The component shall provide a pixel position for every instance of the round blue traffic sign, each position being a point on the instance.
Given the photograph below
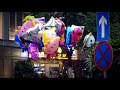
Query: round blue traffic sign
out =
(103, 55)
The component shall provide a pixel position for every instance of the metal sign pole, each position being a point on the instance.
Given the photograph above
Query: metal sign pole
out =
(70, 72)
(105, 74)
(70, 63)
(103, 35)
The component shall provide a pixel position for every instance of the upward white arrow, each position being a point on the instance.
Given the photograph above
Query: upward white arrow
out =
(102, 21)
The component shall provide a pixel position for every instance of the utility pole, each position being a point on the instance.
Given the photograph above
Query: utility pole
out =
(105, 74)
(70, 62)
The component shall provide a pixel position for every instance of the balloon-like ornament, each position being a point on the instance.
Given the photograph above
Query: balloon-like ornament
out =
(88, 41)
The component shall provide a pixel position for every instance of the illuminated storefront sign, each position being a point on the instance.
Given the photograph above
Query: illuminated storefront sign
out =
(74, 55)
(41, 54)
(63, 55)
(25, 54)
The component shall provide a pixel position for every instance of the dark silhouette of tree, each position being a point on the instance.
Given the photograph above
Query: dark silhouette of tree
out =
(24, 69)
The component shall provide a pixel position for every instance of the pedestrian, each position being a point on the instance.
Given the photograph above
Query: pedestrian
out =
(55, 74)
(43, 75)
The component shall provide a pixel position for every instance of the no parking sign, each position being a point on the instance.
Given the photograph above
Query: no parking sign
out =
(103, 55)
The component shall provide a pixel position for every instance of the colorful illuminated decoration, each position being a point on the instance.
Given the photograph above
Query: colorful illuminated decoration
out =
(51, 47)
(36, 33)
(33, 50)
(48, 35)
(88, 41)
(68, 37)
(61, 30)
(77, 33)
(73, 36)
(36, 36)
(19, 43)
(63, 55)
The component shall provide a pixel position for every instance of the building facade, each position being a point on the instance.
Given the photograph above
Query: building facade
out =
(9, 51)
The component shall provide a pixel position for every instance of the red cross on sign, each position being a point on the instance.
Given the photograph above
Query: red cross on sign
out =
(103, 55)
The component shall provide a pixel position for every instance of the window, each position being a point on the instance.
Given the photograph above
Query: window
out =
(15, 21)
(0, 25)
(19, 18)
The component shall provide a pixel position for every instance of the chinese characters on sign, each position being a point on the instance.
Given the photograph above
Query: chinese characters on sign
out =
(64, 55)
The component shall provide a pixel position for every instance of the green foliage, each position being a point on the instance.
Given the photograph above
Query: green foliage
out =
(24, 69)
(47, 15)
(115, 31)
(89, 63)
(90, 21)
(115, 43)
(114, 70)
